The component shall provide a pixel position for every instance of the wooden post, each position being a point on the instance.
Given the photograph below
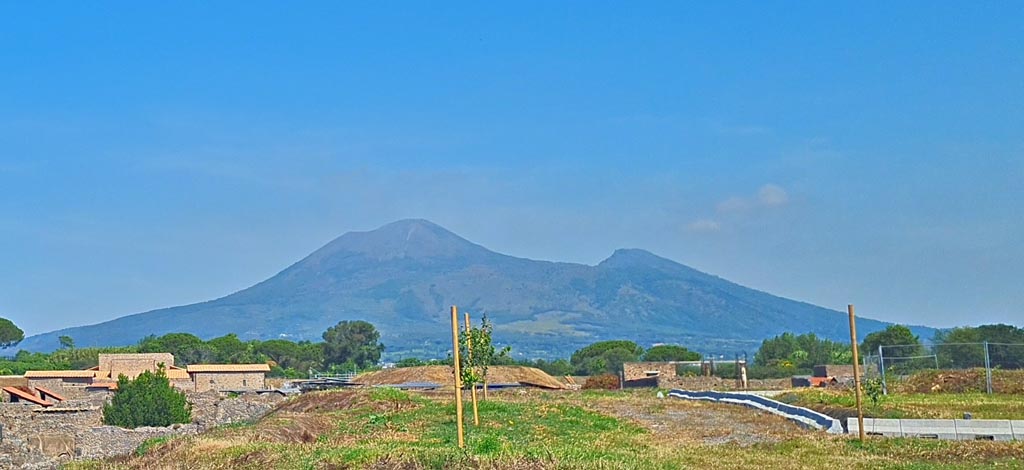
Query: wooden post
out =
(856, 372)
(472, 390)
(458, 375)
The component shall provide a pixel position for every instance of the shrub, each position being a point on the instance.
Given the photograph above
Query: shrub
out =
(149, 400)
(602, 382)
(873, 389)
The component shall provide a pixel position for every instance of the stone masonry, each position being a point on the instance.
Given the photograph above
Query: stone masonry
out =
(205, 381)
(34, 438)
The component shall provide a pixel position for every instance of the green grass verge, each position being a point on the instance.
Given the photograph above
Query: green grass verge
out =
(386, 428)
(915, 406)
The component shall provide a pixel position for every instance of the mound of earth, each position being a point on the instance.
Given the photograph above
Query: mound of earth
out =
(442, 375)
(962, 381)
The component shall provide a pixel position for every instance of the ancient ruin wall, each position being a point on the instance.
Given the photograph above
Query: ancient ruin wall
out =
(228, 381)
(641, 370)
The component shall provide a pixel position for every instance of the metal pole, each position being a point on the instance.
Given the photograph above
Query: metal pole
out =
(856, 372)
(988, 371)
(458, 375)
(881, 367)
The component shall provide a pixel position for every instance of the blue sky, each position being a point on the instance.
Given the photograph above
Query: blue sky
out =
(157, 155)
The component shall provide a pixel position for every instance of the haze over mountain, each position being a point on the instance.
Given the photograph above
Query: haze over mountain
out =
(403, 277)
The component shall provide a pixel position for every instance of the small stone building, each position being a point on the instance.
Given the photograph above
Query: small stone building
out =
(643, 370)
(198, 377)
(131, 365)
(60, 379)
(228, 377)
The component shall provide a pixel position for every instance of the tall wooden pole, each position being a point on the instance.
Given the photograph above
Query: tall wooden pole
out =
(856, 371)
(469, 349)
(458, 375)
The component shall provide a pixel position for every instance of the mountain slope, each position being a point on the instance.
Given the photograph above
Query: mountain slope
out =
(402, 277)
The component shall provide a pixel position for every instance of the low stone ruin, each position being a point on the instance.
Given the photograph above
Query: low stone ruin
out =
(34, 437)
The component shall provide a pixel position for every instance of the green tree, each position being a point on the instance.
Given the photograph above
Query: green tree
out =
(605, 357)
(228, 349)
(475, 363)
(962, 347)
(149, 400)
(10, 334)
(66, 342)
(670, 352)
(896, 341)
(292, 358)
(186, 348)
(354, 342)
(789, 354)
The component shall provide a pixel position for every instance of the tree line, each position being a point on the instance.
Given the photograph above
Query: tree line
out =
(956, 348)
(353, 345)
(346, 346)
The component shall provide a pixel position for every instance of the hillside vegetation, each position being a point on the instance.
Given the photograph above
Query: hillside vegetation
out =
(385, 428)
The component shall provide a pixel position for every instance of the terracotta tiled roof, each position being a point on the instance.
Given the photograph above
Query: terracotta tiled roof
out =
(43, 392)
(228, 368)
(26, 396)
(59, 374)
(177, 374)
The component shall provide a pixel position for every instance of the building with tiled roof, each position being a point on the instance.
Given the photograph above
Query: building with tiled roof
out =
(195, 377)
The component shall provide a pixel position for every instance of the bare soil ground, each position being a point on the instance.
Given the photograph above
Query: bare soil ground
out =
(961, 381)
(675, 420)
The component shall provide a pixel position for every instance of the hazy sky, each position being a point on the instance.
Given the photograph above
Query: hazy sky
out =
(871, 153)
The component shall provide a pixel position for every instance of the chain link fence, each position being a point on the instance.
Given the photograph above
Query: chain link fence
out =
(950, 367)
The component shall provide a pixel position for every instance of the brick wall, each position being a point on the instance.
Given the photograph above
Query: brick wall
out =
(228, 380)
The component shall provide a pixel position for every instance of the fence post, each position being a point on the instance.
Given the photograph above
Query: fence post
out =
(881, 368)
(988, 370)
(856, 372)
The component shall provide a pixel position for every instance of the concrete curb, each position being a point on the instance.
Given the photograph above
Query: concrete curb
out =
(946, 429)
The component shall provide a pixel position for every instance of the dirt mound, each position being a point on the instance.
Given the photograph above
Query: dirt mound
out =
(962, 381)
(443, 375)
(324, 401)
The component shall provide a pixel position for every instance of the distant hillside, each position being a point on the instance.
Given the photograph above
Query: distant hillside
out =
(402, 277)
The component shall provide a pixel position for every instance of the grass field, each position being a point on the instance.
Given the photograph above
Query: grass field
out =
(384, 428)
(914, 405)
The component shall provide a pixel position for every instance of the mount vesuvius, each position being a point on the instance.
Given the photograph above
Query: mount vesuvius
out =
(403, 277)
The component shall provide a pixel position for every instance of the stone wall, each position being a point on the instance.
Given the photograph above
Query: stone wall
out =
(228, 381)
(132, 365)
(720, 384)
(641, 370)
(186, 385)
(69, 387)
(39, 439)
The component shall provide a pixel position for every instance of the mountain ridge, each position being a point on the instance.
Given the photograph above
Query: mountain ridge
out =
(403, 276)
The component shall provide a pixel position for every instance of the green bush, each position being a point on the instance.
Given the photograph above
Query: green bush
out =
(873, 389)
(149, 400)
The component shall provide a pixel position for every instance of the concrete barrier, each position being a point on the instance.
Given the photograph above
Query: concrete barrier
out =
(1017, 427)
(985, 429)
(946, 429)
(929, 428)
(877, 427)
